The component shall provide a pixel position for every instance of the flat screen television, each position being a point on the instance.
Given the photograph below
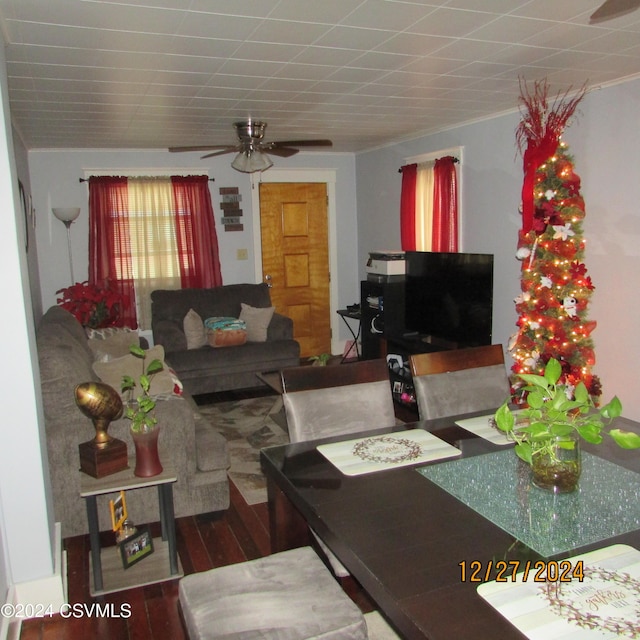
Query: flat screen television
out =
(449, 298)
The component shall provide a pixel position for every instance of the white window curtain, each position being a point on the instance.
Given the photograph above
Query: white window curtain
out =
(154, 251)
(424, 206)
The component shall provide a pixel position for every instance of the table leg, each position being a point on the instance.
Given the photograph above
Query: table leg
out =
(94, 541)
(168, 521)
(287, 528)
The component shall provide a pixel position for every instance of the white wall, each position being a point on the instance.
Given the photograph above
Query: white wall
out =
(55, 179)
(605, 142)
(26, 524)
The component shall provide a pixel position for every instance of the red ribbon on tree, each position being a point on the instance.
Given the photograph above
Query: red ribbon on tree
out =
(540, 129)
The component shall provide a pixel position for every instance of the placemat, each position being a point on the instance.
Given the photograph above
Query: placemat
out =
(498, 486)
(387, 451)
(606, 604)
(481, 427)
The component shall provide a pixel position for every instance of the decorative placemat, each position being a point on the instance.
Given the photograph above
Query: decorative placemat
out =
(498, 486)
(482, 426)
(387, 451)
(605, 604)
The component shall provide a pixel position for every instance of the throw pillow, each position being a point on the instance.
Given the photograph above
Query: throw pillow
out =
(225, 332)
(257, 321)
(106, 332)
(111, 373)
(114, 346)
(194, 330)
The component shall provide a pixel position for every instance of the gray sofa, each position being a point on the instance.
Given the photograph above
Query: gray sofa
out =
(187, 441)
(207, 369)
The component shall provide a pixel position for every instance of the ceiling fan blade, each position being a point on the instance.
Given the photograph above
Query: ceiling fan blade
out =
(304, 143)
(220, 153)
(613, 9)
(283, 152)
(206, 147)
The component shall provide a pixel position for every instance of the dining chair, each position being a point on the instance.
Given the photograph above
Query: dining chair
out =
(286, 595)
(458, 381)
(337, 400)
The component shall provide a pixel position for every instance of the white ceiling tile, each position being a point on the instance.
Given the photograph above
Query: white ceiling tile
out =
(138, 73)
(510, 29)
(455, 23)
(381, 14)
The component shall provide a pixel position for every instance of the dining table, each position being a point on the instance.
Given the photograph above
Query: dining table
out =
(431, 517)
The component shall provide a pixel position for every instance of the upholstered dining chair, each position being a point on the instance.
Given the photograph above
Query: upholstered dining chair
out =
(333, 401)
(286, 595)
(457, 381)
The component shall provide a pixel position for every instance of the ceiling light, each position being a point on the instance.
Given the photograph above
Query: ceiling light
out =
(249, 161)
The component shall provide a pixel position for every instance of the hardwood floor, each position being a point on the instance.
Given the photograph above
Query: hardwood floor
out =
(204, 542)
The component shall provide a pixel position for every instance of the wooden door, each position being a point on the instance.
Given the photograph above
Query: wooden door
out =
(295, 259)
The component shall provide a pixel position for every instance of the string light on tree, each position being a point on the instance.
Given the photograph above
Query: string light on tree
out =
(556, 290)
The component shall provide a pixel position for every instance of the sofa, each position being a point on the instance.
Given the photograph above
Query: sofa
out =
(206, 369)
(187, 441)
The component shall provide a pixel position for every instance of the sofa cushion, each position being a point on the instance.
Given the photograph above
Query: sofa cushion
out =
(114, 346)
(257, 321)
(111, 373)
(194, 330)
(225, 332)
(220, 301)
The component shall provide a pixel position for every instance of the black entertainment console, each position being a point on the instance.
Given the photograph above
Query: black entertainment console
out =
(443, 302)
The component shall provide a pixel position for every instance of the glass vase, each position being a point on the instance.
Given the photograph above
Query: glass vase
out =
(556, 465)
(147, 458)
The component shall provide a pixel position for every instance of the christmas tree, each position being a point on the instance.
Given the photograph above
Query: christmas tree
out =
(555, 288)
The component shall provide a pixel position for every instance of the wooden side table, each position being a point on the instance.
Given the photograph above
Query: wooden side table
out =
(107, 572)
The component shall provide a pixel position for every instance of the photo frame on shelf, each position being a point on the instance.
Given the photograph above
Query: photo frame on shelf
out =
(118, 509)
(136, 547)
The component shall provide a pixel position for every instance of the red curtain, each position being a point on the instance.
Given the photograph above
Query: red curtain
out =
(445, 205)
(408, 207)
(109, 246)
(196, 233)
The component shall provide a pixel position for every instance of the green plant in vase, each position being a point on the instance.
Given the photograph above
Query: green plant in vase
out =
(547, 433)
(320, 360)
(140, 409)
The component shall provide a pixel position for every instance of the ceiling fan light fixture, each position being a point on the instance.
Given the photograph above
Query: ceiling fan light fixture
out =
(249, 161)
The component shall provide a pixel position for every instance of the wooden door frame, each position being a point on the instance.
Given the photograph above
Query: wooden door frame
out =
(328, 177)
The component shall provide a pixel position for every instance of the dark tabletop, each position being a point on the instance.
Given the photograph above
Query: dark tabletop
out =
(403, 537)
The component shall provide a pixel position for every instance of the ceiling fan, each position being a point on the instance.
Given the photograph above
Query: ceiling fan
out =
(251, 149)
(613, 9)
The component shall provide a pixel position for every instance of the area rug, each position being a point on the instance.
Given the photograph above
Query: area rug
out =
(249, 425)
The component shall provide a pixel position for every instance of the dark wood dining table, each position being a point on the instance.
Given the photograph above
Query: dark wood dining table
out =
(402, 537)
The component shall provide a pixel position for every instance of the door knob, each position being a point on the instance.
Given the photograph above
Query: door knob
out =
(268, 279)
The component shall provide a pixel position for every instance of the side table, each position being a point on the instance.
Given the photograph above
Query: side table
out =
(352, 315)
(107, 572)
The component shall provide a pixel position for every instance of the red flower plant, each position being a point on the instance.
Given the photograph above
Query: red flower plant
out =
(93, 306)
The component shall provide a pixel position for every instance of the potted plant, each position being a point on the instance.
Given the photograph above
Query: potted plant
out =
(547, 432)
(93, 306)
(320, 360)
(140, 410)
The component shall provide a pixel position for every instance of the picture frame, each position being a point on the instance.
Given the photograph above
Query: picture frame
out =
(25, 213)
(119, 513)
(136, 547)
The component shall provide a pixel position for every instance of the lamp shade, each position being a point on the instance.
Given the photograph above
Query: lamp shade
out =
(250, 161)
(66, 214)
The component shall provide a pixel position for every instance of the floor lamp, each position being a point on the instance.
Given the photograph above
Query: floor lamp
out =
(67, 215)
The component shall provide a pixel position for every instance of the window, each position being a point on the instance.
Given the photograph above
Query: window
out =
(429, 204)
(151, 233)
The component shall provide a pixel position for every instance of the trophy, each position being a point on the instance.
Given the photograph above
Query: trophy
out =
(105, 454)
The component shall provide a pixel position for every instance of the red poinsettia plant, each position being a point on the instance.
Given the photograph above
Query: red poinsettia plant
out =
(93, 306)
